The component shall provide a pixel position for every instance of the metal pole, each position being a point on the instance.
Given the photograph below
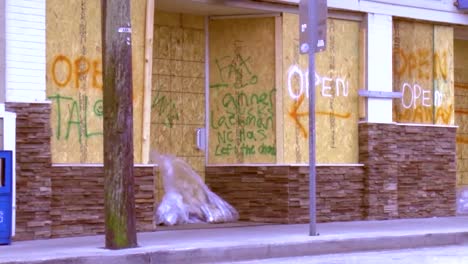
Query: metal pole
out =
(313, 21)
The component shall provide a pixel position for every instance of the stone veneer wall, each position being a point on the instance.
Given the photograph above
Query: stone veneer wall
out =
(409, 171)
(33, 185)
(280, 194)
(59, 201)
(77, 206)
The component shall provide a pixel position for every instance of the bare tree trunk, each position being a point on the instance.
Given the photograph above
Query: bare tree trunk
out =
(119, 200)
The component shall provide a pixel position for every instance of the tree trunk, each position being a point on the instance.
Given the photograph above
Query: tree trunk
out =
(119, 200)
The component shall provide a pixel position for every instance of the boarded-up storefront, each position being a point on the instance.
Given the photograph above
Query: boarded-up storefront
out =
(336, 90)
(246, 124)
(74, 79)
(256, 102)
(423, 72)
(228, 93)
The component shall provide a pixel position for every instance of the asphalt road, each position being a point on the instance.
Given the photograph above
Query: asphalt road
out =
(433, 255)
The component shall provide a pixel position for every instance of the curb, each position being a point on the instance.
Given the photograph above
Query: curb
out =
(253, 251)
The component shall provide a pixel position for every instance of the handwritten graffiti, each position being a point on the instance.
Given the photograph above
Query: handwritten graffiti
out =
(77, 116)
(166, 109)
(235, 71)
(296, 115)
(414, 95)
(462, 140)
(423, 114)
(329, 87)
(419, 103)
(66, 71)
(243, 116)
(440, 65)
(415, 92)
(243, 123)
(418, 64)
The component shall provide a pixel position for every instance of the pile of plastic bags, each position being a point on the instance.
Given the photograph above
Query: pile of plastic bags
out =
(462, 201)
(187, 199)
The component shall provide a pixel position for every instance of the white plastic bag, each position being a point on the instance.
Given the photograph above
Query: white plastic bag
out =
(462, 201)
(187, 199)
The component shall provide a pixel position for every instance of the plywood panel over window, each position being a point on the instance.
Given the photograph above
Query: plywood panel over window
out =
(336, 85)
(242, 91)
(74, 79)
(423, 72)
(461, 108)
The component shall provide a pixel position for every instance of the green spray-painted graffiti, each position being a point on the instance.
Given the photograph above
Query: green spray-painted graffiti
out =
(74, 114)
(166, 109)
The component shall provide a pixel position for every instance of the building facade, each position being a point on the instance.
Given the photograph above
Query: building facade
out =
(224, 87)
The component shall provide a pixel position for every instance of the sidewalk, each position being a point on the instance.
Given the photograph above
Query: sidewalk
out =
(244, 243)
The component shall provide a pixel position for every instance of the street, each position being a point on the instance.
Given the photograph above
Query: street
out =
(433, 255)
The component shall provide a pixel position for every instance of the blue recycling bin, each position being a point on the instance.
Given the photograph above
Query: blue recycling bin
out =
(5, 196)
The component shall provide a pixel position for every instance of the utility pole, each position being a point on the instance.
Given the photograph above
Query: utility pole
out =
(119, 200)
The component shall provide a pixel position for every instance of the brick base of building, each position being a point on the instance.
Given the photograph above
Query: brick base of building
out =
(280, 194)
(407, 171)
(60, 201)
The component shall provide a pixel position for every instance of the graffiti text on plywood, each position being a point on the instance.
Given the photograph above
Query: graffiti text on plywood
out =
(296, 115)
(425, 114)
(414, 95)
(166, 109)
(235, 70)
(72, 72)
(423, 100)
(243, 123)
(420, 104)
(71, 115)
(329, 87)
(417, 64)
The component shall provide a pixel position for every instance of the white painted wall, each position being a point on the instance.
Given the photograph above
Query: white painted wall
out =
(25, 50)
(379, 66)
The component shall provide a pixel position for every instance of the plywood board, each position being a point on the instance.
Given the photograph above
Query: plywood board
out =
(138, 11)
(443, 76)
(337, 82)
(178, 92)
(461, 108)
(279, 92)
(413, 71)
(242, 91)
(461, 61)
(74, 84)
(74, 79)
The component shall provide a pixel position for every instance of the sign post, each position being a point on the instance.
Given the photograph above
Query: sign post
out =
(312, 30)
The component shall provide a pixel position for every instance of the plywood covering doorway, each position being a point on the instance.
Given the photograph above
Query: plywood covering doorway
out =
(242, 92)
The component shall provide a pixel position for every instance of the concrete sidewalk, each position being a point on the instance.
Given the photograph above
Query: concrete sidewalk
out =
(245, 243)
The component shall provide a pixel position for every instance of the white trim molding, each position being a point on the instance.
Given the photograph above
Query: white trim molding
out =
(442, 11)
